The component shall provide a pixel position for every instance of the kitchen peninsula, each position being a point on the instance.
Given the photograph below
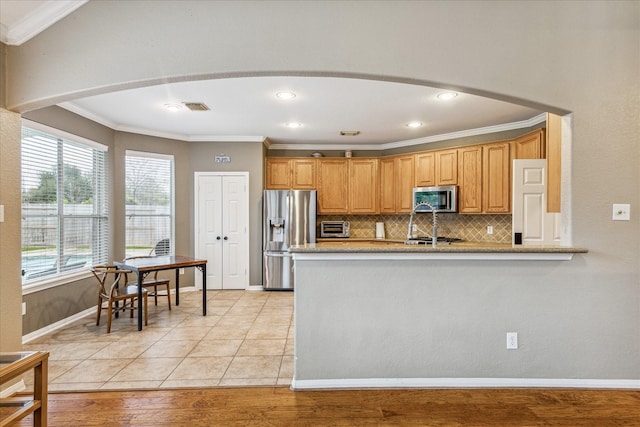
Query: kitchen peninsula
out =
(385, 314)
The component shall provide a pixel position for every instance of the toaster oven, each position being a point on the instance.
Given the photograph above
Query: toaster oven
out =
(334, 229)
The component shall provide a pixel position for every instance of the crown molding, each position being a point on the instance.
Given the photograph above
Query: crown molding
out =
(311, 146)
(38, 20)
(407, 143)
(180, 137)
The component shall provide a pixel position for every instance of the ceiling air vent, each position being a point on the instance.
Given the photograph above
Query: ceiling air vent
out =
(349, 132)
(196, 106)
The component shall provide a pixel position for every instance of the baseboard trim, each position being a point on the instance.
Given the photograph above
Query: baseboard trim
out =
(57, 325)
(68, 320)
(387, 383)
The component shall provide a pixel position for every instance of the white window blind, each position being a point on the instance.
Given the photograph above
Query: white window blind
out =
(65, 218)
(149, 222)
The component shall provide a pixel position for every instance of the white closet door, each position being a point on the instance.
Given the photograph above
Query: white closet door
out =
(235, 225)
(209, 228)
(221, 232)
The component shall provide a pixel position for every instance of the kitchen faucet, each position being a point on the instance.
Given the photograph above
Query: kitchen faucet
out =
(434, 233)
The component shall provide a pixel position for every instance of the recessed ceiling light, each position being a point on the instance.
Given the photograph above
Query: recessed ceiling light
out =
(173, 107)
(414, 124)
(285, 95)
(447, 95)
(293, 125)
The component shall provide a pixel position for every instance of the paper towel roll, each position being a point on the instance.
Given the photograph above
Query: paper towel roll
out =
(379, 230)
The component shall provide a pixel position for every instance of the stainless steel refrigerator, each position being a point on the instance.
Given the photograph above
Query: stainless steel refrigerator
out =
(289, 218)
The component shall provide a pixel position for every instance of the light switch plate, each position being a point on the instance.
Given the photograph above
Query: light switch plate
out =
(621, 212)
(1, 213)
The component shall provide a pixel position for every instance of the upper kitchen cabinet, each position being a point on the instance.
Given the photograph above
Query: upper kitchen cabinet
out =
(387, 185)
(363, 186)
(530, 146)
(303, 174)
(333, 186)
(397, 180)
(446, 167)
(496, 178)
(278, 174)
(286, 173)
(484, 178)
(470, 179)
(404, 180)
(425, 164)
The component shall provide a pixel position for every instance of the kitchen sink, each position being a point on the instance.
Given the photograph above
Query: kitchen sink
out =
(428, 240)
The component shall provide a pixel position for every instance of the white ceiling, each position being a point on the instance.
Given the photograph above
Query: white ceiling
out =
(246, 109)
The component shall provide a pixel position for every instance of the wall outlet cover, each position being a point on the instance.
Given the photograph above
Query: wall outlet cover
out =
(621, 212)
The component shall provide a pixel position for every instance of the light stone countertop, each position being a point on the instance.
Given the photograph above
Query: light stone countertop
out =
(398, 246)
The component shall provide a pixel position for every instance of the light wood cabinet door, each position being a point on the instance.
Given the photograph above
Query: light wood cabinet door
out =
(425, 164)
(470, 179)
(278, 174)
(363, 186)
(496, 184)
(333, 186)
(446, 167)
(387, 186)
(530, 146)
(303, 174)
(404, 181)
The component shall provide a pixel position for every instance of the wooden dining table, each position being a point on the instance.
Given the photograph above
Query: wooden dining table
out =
(143, 266)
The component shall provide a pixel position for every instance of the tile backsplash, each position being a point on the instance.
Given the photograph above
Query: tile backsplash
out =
(471, 228)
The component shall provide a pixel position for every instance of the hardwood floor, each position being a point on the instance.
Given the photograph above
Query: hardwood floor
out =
(279, 406)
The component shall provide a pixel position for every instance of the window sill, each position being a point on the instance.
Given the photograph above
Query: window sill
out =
(40, 285)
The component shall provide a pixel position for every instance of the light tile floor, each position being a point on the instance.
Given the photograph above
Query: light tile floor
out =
(246, 339)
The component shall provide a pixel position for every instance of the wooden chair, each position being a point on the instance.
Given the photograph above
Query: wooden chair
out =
(109, 279)
(152, 281)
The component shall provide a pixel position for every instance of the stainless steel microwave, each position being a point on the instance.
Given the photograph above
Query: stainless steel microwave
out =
(442, 198)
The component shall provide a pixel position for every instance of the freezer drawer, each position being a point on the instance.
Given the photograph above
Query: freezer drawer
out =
(278, 271)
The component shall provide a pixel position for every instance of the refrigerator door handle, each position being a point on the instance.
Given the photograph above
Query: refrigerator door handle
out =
(278, 254)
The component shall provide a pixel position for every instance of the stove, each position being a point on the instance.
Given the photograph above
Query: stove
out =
(427, 240)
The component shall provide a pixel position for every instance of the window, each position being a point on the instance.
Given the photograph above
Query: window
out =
(149, 204)
(65, 218)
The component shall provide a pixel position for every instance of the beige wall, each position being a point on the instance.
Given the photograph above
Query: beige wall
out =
(10, 279)
(559, 56)
(245, 157)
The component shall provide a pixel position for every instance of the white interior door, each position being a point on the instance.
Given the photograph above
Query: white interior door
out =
(221, 229)
(235, 223)
(530, 216)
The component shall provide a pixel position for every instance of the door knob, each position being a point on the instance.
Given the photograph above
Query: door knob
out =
(218, 238)
(226, 238)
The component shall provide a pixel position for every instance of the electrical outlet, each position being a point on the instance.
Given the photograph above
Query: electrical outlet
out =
(621, 212)
(489, 229)
(1, 213)
(512, 340)
(24, 308)
(182, 271)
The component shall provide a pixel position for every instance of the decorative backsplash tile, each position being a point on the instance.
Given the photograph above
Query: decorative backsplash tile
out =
(471, 228)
